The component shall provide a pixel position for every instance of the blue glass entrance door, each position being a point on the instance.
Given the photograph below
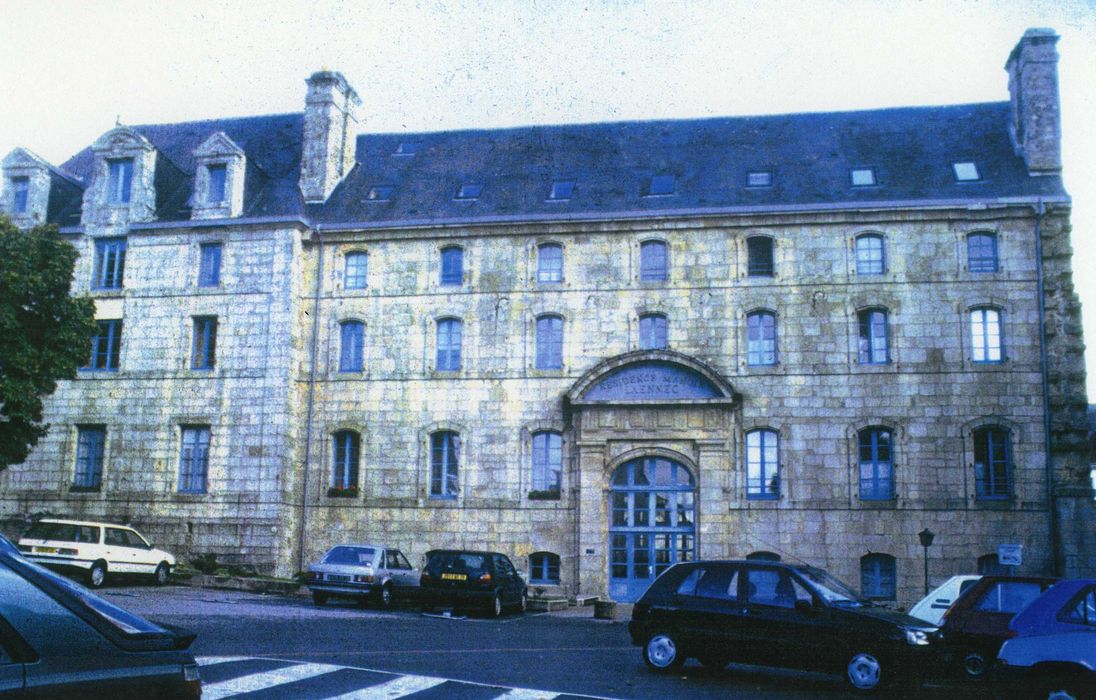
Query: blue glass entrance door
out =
(652, 520)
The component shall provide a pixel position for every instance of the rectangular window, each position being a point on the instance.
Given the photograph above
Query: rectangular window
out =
(762, 464)
(20, 187)
(106, 346)
(992, 464)
(966, 171)
(444, 446)
(876, 470)
(203, 353)
(653, 263)
(759, 178)
(869, 255)
(759, 256)
(110, 263)
(550, 263)
(452, 267)
(352, 346)
(194, 459)
(761, 339)
(661, 185)
(561, 190)
(90, 447)
(872, 348)
(209, 267)
(549, 342)
(878, 577)
(653, 332)
(862, 177)
(216, 192)
(547, 461)
(985, 332)
(544, 568)
(469, 191)
(357, 270)
(982, 252)
(344, 467)
(121, 180)
(449, 341)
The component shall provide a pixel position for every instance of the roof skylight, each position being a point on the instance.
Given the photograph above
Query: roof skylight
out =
(406, 148)
(661, 185)
(966, 171)
(469, 191)
(759, 178)
(379, 193)
(562, 189)
(862, 177)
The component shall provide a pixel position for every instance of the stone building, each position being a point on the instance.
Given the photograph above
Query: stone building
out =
(598, 348)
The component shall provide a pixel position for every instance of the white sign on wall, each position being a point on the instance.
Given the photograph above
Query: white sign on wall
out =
(1010, 554)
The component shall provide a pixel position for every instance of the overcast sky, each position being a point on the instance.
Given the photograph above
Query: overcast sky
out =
(70, 69)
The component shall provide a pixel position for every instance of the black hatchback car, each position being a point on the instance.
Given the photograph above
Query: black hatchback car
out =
(463, 579)
(771, 614)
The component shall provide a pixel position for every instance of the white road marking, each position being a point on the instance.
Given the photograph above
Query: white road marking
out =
(214, 660)
(527, 694)
(397, 688)
(266, 679)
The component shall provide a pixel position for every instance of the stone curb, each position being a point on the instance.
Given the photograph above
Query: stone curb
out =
(238, 583)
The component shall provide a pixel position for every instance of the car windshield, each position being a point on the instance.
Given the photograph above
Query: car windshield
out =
(349, 555)
(830, 588)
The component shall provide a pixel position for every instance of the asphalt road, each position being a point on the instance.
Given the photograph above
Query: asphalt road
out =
(283, 646)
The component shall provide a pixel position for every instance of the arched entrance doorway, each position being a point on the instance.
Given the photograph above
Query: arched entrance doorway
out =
(652, 523)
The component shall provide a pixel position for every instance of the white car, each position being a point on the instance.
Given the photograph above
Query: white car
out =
(95, 549)
(933, 606)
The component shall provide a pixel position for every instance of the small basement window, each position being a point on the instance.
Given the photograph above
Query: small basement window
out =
(468, 191)
(562, 189)
(966, 171)
(661, 185)
(379, 193)
(759, 178)
(862, 177)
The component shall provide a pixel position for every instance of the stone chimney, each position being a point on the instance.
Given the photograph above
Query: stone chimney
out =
(1035, 123)
(330, 131)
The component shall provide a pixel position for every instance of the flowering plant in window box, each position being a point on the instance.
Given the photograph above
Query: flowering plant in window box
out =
(545, 495)
(343, 491)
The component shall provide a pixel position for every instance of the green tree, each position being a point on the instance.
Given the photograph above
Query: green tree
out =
(44, 331)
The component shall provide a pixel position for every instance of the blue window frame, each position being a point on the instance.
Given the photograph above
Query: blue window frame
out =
(110, 263)
(653, 332)
(209, 268)
(203, 351)
(876, 464)
(20, 187)
(759, 256)
(90, 447)
(356, 271)
(873, 347)
(992, 463)
(452, 266)
(544, 568)
(449, 341)
(351, 346)
(345, 453)
(761, 338)
(870, 257)
(444, 467)
(878, 577)
(550, 263)
(547, 461)
(217, 181)
(653, 265)
(106, 346)
(120, 181)
(549, 342)
(194, 459)
(982, 252)
(762, 464)
(986, 345)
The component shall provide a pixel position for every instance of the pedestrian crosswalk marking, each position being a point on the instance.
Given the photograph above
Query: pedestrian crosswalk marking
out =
(266, 679)
(396, 688)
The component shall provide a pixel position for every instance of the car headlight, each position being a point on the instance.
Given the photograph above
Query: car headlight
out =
(917, 638)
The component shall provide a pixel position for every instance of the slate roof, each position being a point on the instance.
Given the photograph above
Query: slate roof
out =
(810, 156)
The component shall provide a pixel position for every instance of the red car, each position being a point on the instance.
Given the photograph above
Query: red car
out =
(976, 624)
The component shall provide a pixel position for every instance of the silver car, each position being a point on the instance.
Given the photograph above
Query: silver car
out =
(364, 572)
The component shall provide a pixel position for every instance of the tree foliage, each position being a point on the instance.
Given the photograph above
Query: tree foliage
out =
(44, 332)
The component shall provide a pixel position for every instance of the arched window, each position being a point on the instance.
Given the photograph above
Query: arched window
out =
(452, 266)
(992, 463)
(986, 344)
(759, 256)
(449, 340)
(873, 331)
(345, 453)
(547, 461)
(990, 565)
(544, 568)
(652, 261)
(869, 254)
(351, 345)
(982, 252)
(550, 263)
(878, 577)
(876, 464)
(357, 267)
(763, 555)
(762, 464)
(549, 342)
(761, 338)
(444, 464)
(653, 329)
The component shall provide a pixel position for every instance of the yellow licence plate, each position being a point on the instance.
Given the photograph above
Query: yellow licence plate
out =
(46, 550)
(454, 577)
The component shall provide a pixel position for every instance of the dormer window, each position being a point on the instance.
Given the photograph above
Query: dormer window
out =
(20, 189)
(121, 180)
(862, 177)
(561, 190)
(469, 191)
(215, 194)
(966, 171)
(661, 185)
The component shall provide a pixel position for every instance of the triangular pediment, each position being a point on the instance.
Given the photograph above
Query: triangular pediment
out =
(218, 145)
(22, 158)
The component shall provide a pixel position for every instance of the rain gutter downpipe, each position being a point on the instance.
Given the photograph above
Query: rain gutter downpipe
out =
(311, 400)
(1040, 212)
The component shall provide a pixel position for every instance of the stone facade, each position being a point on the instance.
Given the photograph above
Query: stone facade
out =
(293, 393)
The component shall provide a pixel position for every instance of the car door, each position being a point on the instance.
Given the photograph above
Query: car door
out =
(117, 552)
(511, 583)
(710, 612)
(144, 561)
(780, 632)
(403, 576)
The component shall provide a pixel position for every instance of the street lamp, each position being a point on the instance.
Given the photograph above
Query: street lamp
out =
(926, 537)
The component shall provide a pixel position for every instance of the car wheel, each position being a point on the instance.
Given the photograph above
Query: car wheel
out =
(864, 672)
(496, 606)
(1062, 689)
(319, 598)
(974, 664)
(97, 575)
(661, 653)
(523, 602)
(163, 572)
(385, 596)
